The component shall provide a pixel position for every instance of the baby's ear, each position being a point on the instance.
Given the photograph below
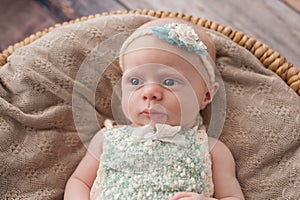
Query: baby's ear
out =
(213, 89)
(209, 95)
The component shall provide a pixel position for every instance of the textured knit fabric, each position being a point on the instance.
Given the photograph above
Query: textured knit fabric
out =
(133, 170)
(40, 146)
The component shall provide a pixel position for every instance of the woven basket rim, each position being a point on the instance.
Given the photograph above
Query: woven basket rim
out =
(271, 59)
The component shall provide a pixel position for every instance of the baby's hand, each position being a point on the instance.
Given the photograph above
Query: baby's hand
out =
(189, 196)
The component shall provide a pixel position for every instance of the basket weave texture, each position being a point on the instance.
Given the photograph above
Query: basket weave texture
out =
(268, 57)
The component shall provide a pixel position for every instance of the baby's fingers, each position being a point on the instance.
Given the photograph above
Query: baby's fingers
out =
(192, 198)
(187, 196)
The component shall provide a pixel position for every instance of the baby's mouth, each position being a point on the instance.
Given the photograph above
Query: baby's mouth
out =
(153, 114)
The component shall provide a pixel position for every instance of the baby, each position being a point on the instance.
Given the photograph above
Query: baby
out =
(168, 77)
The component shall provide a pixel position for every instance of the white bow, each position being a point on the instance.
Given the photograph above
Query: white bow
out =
(162, 132)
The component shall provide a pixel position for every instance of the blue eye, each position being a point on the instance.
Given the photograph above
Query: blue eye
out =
(169, 82)
(135, 81)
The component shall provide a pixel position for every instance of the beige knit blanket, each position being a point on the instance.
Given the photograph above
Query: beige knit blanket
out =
(40, 147)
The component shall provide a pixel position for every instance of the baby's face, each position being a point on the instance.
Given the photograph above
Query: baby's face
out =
(161, 87)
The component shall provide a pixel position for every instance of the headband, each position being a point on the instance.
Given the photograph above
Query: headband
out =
(181, 35)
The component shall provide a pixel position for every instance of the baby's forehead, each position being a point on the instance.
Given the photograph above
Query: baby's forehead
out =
(161, 62)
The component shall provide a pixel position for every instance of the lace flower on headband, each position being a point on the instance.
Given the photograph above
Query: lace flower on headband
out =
(183, 35)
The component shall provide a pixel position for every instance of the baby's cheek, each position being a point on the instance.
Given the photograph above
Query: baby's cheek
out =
(125, 105)
(189, 106)
(188, 99)
(129, 101)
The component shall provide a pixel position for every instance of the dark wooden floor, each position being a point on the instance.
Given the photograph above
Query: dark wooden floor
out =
(275, 23)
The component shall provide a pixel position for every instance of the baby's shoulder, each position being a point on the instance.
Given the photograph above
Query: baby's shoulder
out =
(218, 150)
(216, 145)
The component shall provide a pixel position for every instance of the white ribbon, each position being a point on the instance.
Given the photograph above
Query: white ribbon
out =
(162, 132)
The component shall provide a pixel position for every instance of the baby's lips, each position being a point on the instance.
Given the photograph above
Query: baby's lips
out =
(154, 115)
(152, 111)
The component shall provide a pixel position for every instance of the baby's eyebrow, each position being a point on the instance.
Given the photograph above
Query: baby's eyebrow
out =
(133, 72)
(161, 69)
(170, 72)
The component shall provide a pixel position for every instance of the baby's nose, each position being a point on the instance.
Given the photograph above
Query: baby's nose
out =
(152, 92)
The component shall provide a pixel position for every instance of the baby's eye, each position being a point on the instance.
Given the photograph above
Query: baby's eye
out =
(169, 82)
(135, 81)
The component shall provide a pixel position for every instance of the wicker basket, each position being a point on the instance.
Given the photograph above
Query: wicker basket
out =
(40, 145)
(268, 57)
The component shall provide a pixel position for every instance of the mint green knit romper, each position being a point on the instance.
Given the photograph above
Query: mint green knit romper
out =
(134, 171)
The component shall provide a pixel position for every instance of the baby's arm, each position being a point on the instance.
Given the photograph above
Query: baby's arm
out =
(81, 181)
(226, 184)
